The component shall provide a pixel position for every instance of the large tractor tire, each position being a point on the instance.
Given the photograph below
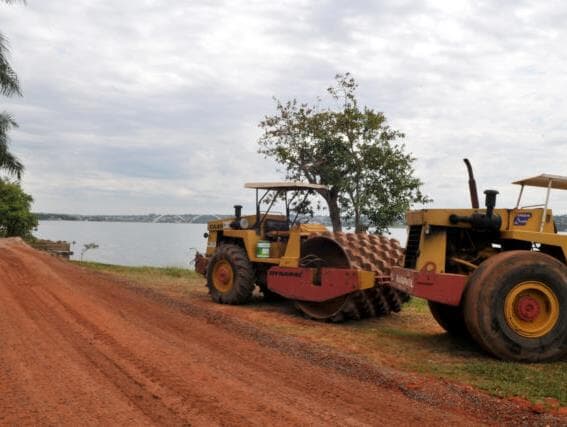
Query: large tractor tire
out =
(358, 251)
(450, 318)
(230, 275)
(516, 306)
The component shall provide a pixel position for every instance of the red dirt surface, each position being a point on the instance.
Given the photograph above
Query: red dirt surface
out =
(78, 347)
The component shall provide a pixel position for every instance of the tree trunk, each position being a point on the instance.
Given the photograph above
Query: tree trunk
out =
(332, 198)
(334, 211)
(357, 224)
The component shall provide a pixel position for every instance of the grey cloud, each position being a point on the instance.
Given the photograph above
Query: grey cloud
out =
(141, 106)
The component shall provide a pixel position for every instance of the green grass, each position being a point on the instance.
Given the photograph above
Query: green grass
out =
(534, 381)
(175, 272)
(410, 341)
(505, 379)
(172, 280)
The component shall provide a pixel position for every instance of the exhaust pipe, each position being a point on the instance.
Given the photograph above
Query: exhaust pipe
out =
(237, 212)
(472, 185)
(237, 216)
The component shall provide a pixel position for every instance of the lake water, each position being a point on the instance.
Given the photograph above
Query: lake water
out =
(135, 244)
(129, 243)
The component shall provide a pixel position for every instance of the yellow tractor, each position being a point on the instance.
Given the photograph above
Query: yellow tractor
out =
(496, 275)
(330, 276)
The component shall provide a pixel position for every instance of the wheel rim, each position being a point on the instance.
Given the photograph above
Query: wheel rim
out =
(223, 276)
(531, 309)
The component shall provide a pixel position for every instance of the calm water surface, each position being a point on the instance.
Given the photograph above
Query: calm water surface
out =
(134, 244)
(129, 243)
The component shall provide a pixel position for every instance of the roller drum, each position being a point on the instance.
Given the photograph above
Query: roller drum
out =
(357, 251)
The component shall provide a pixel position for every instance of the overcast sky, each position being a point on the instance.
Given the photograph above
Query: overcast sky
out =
(140, 106)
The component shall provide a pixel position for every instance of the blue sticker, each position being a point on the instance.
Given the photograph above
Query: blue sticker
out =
(522, 218)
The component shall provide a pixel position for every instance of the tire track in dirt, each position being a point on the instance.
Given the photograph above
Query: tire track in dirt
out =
(56, 330)
(128, 373)
(78, 347)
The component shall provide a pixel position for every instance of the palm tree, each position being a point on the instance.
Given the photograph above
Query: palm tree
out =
(9, 86)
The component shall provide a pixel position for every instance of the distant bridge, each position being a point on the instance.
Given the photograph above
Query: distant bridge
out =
(183, 219)
(174, 216)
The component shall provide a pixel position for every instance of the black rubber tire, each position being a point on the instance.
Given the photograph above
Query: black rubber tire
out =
(243, 275)
(450, 318)
(484, 304)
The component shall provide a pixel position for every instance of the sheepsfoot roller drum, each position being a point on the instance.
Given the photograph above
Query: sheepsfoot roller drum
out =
(342, 276)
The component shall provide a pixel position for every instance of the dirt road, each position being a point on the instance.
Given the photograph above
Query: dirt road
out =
(78, 347)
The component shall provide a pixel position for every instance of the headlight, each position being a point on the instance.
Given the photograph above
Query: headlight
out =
(244, 223)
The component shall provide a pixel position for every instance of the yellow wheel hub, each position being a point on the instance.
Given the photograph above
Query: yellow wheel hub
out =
(223, 276)
(531, 309)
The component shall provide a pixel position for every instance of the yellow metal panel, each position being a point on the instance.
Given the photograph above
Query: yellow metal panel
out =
(518, 221)
(216, 225)
(249, 238)
(277, 249)
(274, 261)
(551, 239)
(293, 250)
(289, 262)
(432, 248)
(211, 243)
(365, 279)
(312, 228)
(414, 217)
(440, 217)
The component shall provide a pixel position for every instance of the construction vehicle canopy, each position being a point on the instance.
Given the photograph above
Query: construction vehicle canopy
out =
(281, 190)
(545, 180)
(285, 186)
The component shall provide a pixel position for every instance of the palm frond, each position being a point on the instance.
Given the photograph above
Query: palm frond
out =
(8, 161)
(11, 164)
(9, 83)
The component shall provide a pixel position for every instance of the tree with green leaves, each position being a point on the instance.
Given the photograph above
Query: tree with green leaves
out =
(16, 218)
(9, 86)
(349, 148)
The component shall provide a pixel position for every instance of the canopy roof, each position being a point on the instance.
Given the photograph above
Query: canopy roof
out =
(557, 181)
(285, 186)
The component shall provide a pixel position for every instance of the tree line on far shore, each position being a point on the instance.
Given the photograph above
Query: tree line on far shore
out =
(560, 220)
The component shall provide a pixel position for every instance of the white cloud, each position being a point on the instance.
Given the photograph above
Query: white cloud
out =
(139, 106)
